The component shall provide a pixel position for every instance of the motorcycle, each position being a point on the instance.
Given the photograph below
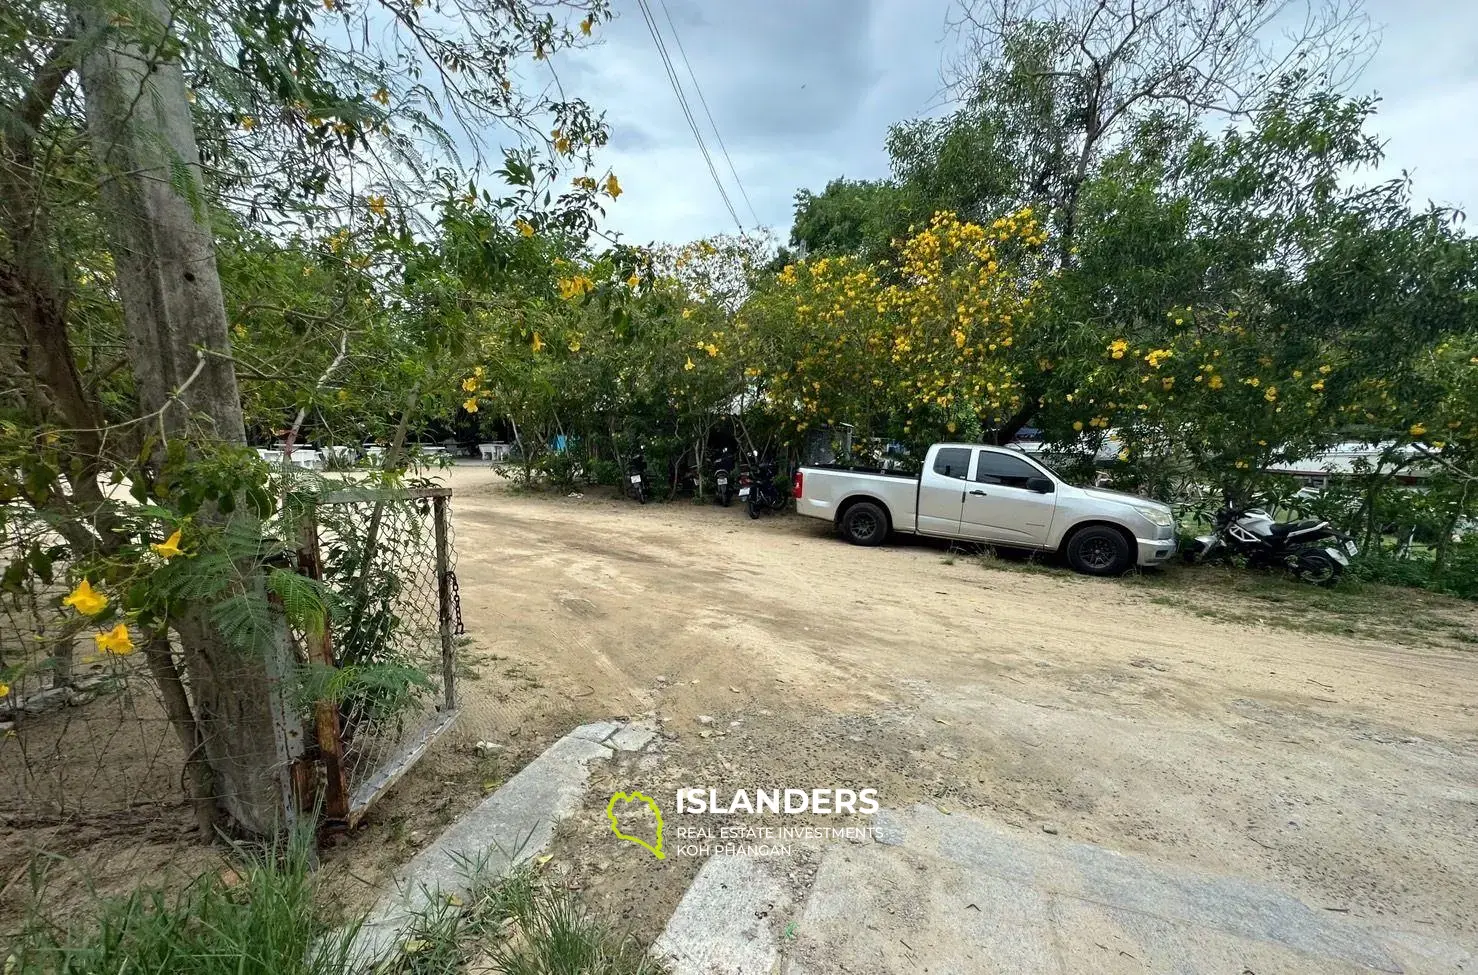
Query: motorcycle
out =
(763, 493)
(636, 475)
(1312, 550)
(723, 470)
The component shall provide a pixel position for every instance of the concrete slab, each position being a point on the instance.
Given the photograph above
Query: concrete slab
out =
(631, 739)
(729, 921)
(510, 826)
(955, 894)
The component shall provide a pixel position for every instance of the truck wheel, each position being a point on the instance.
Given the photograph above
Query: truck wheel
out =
(865, 524)
(1099, 551)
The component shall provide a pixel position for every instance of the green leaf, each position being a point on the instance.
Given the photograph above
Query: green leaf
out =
(305, 600)
(245, 620)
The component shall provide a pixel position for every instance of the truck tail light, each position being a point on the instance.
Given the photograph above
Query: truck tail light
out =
(795, 488)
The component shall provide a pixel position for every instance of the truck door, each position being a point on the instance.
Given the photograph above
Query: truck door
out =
(942, 491)
(1003, 503)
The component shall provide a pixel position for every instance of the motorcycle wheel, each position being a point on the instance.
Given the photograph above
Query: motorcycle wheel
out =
(754, 508)
(724, 498)
(641, 494)
(1316, 568)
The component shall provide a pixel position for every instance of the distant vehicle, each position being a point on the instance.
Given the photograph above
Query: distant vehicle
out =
(763, 494)
(723, 474)
(996, 495)
(636, 474)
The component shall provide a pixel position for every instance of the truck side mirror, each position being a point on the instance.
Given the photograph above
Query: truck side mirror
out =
(1041, 485)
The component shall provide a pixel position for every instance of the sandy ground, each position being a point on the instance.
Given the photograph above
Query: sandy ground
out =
(1147, 719)
(1339, 767)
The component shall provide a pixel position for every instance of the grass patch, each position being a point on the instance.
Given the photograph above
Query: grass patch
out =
(516, 925)
(256, 917)
(1351, 608)
(261, 916)
(1017, 560)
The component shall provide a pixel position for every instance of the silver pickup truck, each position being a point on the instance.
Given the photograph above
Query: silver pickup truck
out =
(995, 495)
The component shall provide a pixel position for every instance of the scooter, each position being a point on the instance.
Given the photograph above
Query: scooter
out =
(636, 475)
(1312, 550)
(764, 494)
(723, 470)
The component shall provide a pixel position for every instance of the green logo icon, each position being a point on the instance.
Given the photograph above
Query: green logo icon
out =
(652, 805)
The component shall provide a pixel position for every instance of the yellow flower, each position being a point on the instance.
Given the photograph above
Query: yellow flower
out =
(689, 364)
(1417, 429)
(524, 227)
(586, 25)
(4, 689)
(1124, 454)
(168, 548)
(1317, 386)
(1158, 356)
(382, 96)
(612, 186)
(116, 641)
(377, 205)
(687, 313)
(562, 145)
(1118, 347)
(586, 183)
(574, 345)
(1215, 382)
(86, 600)
(1167, 383)
(239, 329)
(248, 123)
(1078, 425)
(1271, 394)
(469, 385)
(470, 404)
(633, 281)
(538, 342)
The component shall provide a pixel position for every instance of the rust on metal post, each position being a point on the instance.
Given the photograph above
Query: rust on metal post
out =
(444, 602)
(325, 713)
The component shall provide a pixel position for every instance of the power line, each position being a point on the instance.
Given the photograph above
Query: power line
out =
(682, 101)
(704, 102)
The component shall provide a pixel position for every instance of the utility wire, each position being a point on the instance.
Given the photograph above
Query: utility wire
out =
(682, 101)
(704, 102)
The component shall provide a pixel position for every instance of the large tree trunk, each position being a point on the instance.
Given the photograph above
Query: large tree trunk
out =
(139, 120)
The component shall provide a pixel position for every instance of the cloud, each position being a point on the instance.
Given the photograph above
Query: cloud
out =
(804, 92)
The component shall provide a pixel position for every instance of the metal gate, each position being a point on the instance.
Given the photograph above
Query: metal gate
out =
(385, 665)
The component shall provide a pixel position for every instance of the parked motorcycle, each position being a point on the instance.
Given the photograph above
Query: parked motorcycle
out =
(1312, 550)
(636, 474)
(723, 475)
(763, 493)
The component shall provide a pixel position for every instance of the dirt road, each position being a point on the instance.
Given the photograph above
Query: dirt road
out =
(1341, 768)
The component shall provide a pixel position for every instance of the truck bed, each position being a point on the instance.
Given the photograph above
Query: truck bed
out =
(828, 488)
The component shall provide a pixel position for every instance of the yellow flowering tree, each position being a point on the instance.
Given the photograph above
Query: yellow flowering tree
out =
(932, 344)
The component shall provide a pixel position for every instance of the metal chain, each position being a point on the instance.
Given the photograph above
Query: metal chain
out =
(458, 628)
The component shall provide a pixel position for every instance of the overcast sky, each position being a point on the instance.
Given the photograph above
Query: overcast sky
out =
(804, 90)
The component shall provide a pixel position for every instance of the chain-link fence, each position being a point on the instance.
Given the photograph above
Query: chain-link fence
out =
(94, 776)
(387, 562)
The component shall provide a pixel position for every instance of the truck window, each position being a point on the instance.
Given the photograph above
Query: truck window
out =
(952, 462)
(1004, 469)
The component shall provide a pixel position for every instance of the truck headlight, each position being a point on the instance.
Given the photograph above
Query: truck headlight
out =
(1157, 517)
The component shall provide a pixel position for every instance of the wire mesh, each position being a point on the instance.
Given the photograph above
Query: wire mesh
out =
(90, 767)
(388, 563)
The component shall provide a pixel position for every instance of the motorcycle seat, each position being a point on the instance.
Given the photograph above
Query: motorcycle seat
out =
(1288, 527)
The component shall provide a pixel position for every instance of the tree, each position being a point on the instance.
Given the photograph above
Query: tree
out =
(131, 134)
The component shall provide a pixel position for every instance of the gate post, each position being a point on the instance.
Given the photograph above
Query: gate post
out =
(444, 603)
(325, 713)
